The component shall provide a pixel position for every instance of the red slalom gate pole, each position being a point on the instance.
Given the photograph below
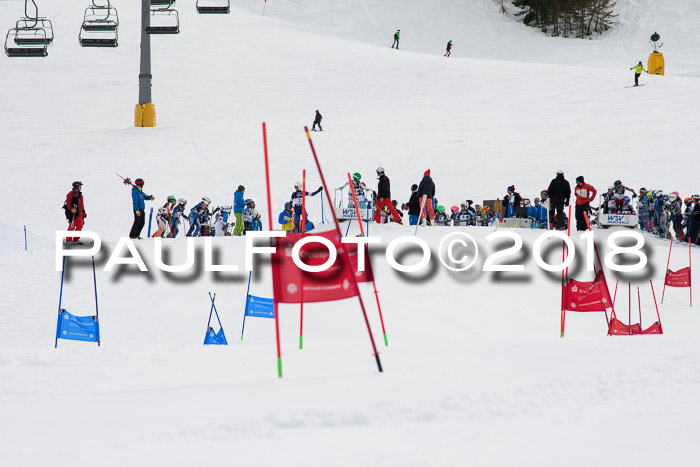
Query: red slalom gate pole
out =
(374, 285)
(345, 251)
(564, 275)
(658, 316)
(302, 231)
(639, 302)
(668, 263)
(269, 219)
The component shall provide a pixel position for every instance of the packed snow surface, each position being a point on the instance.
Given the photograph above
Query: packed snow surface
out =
(475, 371)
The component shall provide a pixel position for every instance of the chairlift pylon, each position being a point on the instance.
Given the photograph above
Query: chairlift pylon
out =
(167, 20)
(31, 35)
(100, 26)
(214, 7)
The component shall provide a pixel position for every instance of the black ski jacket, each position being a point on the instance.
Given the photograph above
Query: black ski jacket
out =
(384, 187)
(426, 187)
(559, 188)
(414, 204)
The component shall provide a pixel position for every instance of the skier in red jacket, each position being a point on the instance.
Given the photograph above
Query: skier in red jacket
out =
(75, 210)
(585, 193)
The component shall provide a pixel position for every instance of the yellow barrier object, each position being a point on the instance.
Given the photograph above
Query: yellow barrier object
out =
(655, 64)
(145, 115)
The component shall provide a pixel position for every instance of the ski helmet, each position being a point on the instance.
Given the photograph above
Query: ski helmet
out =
(248, 201)
(441, 209)
(469, 202)
(455, 209)
(617, 183)
(139, 182)
(536, 200)
(544, 193)
(688, 200)
(450, 40)
(380, 170)
(287, 205)
(696, 197)
(182, 201)
(298, 185)
(356, 176)
(77, 185)
(627, 199)
(657, 193)
(485, 210)
(171, 199)
(642, 190)
(650, 195)
(206, 200)
(665, 197)
(414, 187)
(579, 179)
(673, 196)
(611, 188)
(676, 194)
(241, 188)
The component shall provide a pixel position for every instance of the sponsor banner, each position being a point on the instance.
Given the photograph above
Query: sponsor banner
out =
(260, 307)
(587, 296)
(78, 328)
(680, 278)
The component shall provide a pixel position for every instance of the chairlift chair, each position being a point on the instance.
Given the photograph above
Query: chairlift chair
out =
(167, 20)
(23, 42)
(162, 2)
(100, 26)
(214, 7)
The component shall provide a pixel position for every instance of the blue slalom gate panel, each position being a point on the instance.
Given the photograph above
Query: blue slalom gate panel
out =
(260, 307)
(215, 338)
(77, 328)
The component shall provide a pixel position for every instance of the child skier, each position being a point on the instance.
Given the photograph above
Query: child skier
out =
(619, 195)
(163, 217)
(359, 187)
(286, 218)
(396, 39)
(441, 219)
(413, 206)
(175, 217)
(199, 212)
(137, 198)
(317, 121)
(296, 198)
(449, 48)
(75, 210)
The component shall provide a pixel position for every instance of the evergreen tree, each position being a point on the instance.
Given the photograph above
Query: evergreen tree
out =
(568, 18)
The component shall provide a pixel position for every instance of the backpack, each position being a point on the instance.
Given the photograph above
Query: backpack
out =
(69, 214)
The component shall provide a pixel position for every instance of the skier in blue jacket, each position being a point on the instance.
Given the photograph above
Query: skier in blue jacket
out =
(238, 210)
(199, 212)
(539, 214)
(138, 198)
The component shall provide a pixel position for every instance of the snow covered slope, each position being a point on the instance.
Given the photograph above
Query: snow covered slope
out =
(475, 371)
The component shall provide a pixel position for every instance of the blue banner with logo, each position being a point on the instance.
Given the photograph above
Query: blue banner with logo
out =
(215, 338)
(77, 328)
(260, 307)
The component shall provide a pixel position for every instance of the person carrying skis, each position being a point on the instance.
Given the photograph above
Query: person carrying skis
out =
(238, 210)
(427, 188)
(75, 210)
(317, 121)
(638, 72)
(584, 193)
(163, 217)
(177, 214)
(138, 198)
(559, 193)
(359, 187)
(296, 198)
(449, 48)
(286, 218)
(384, 198)
(396, 39)
(510, 202)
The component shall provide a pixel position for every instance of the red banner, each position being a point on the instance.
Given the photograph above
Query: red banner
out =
(635, 329)
(680, 278)
(360, 276)
(587, 296)
(335, 283)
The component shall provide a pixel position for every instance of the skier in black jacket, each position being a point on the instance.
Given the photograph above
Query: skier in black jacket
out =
(317, 121)
(384, 197)
(559, 193)
(413, 206)
(427, 189)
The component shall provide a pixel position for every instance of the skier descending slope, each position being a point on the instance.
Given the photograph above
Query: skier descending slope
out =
(638, 72)
(448, 49)
(75, 210)
(396, 39)
(296, 199)
(138, 197)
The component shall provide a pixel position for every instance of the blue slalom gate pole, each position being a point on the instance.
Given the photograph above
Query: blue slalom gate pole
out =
(94, 280)
(60, 297)
(323, 219)
(247, 293)
(368, 219)
(150, 218)
(25, 238)
(348, 230)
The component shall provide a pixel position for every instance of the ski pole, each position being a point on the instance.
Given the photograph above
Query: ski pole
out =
(422, 206)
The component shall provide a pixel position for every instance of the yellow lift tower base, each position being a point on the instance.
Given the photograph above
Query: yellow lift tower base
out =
(145, 115)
